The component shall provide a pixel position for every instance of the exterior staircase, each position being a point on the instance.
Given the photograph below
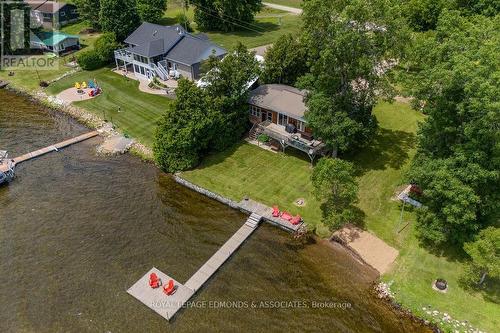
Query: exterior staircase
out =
(254, 133)
(253, 221)
(160, 71)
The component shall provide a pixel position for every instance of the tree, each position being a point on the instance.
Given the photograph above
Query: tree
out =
(119, 16)
(225, 15)
(482, 7)
(102, 53)
(227, 82)
(184, 132)
(485, 256)
(348, 43)
(151, 10)
(337, 189)
(285, 61)
(89, 10)
(423, 14)
(458, 161)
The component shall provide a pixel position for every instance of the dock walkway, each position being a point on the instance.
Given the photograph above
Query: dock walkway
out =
(46, 150)
(252, 206)
(168, 306)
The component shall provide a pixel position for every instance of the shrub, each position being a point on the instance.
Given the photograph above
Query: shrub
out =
(89, 60)
(105, 47)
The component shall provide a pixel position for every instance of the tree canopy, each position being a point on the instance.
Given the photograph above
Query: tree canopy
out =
(210, 118)
(348, 44)
(484, 252)
(151, 10)
(227, 81)
(225, 15)
(89, 10)
(336, 187)
(119, 16)
(458, 160)
(285, 61)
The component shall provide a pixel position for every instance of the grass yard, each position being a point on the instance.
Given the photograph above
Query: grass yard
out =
(29, 79)
(139, 111)
(281, 179)
(269, 25)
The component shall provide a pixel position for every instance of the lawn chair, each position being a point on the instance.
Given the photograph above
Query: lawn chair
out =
(170, 288)
(296, 220)
(276, 211)
(154, 281)
(286, 216)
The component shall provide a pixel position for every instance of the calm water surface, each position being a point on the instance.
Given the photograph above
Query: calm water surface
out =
(77, 230)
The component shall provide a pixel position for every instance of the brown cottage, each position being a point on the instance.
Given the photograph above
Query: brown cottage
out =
(278, 111)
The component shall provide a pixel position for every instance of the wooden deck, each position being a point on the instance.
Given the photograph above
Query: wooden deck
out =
(266, 212)
(168, 306)
(46, 150)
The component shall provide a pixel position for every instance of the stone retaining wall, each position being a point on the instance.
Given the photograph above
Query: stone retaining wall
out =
(207, 193)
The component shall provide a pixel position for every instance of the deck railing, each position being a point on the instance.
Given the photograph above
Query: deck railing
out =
(124, 55)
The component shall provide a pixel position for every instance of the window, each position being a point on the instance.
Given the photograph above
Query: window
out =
(283, 119)
(63, 14)
(255, 111)
(270, 116)
(301, 126)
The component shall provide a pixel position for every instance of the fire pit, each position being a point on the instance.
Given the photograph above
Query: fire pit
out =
(440, 285)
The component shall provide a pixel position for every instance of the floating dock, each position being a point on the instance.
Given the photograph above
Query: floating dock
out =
(168, 306)
(46, 150)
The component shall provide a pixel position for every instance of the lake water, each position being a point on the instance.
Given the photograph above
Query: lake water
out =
(77, 230)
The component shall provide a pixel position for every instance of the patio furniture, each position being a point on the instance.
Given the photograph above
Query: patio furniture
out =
(286, 216)
(170, 288)
(296, 220)
(154, 281)
(276, 211)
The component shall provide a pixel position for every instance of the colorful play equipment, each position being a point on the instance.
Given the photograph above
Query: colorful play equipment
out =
(276, 211)
(170, 288)
(94, 92)
(154, 281)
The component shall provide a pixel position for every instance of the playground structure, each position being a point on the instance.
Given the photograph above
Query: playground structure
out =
(91, 88)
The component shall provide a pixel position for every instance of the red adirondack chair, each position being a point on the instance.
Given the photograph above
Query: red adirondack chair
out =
(286, 216)
(296, 220)
(276, 211)
(170, 288)
(154, 281)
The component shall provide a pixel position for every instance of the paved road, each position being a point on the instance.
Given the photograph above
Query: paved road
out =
(296, 11)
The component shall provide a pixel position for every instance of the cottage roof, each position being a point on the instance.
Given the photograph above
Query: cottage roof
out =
(280, 98)
(45, 6)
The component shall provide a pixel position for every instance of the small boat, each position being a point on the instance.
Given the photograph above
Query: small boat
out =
(6, 168)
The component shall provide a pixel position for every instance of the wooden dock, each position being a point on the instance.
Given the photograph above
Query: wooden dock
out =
(168, 306)
(49, 149)
(266, 212)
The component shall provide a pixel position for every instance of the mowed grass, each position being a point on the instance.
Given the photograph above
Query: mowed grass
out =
(139, 111)
(29, 79)
(268, 26)
(247, 170)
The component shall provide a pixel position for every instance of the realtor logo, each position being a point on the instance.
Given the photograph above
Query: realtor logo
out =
(23, 36)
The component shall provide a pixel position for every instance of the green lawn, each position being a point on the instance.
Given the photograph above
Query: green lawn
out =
(269, 25)
(29, 79)
(281, 179)
(139, 111)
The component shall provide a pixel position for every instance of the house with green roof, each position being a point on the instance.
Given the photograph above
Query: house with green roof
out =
(55, 41)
